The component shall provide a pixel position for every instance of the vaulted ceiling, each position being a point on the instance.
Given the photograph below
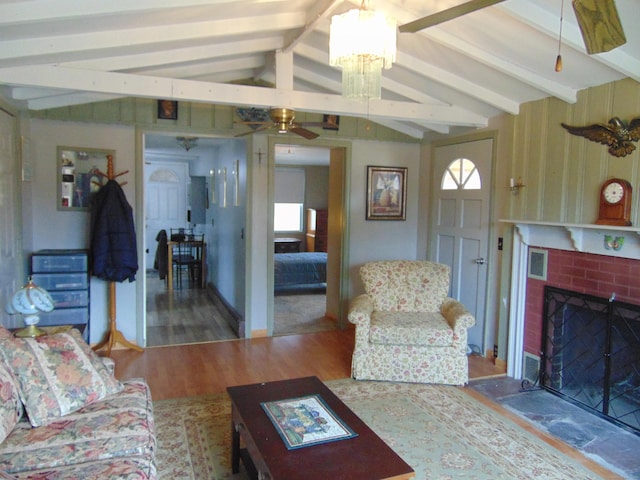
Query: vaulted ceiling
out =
(446, 79)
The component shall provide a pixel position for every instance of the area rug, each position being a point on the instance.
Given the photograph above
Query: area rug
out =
(300, 313)
(440, 431)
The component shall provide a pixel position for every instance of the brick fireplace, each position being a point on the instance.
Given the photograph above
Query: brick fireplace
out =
(574, 315)
(593, 259)
(582, 272)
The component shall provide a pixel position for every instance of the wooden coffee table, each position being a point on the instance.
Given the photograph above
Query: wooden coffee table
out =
(265, 456)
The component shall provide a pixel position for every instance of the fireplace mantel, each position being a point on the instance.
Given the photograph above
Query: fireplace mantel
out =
(597, 239)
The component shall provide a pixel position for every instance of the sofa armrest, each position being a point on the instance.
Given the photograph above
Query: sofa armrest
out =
(456, 315)
(360, 309)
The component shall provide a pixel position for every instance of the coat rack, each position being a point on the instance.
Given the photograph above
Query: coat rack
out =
(114, 336)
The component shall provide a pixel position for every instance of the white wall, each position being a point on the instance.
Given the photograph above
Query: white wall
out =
(381, 239)
(60, 230)
(246, 289)
(228, 226)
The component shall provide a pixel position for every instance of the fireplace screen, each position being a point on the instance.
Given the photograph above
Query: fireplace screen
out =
(591, 354)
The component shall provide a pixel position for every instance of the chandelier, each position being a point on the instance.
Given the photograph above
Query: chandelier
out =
(187, 142)
(362, 42)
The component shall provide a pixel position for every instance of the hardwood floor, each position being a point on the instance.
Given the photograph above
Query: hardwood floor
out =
(198, 369)
(194, 315)
(183, 316)
(204, 368)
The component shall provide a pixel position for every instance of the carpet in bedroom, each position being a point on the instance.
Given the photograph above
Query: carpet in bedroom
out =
(300, 313)
(441, 431)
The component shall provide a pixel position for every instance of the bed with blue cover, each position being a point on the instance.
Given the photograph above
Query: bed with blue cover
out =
(300, 270)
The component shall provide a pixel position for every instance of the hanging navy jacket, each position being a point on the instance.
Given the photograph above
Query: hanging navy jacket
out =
(113, 251)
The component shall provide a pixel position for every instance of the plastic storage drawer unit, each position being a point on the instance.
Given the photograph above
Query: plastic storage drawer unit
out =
(65, 275)
(59, 263)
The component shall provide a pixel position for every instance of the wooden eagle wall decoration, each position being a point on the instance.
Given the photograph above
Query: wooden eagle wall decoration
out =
(617, 133)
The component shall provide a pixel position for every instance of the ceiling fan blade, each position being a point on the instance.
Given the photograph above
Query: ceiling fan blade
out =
(446, 15)
(303, 132)
(254, 131)
(599, 24)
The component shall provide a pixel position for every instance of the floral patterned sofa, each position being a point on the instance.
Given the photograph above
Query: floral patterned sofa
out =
(407, 329)
(63, 415)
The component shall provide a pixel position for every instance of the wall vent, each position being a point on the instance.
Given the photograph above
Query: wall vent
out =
(531, 367)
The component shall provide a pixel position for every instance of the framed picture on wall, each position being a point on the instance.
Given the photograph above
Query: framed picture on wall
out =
(331, 122)
(167, 109)
(386, 193)
(81, 173)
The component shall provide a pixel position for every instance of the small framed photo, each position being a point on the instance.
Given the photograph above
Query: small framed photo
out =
(330, 122)
(386, 193)
(167, 109)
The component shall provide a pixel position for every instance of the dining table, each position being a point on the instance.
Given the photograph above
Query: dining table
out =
(200, 253)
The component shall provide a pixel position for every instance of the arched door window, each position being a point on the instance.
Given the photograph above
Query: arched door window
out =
(461, 174)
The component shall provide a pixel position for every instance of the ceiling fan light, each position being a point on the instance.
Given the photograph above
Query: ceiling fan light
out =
(187, 142)
(362, 42)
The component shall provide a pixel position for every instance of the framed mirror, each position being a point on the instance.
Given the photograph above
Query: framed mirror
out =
(81, 173)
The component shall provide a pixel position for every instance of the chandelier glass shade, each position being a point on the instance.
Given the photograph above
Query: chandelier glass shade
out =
(362, 42)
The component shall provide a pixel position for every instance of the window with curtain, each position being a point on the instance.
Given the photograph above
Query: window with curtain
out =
(288, 199)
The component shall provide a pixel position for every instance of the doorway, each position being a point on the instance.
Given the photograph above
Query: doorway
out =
(460, 224)
(306, 294)
(183, 189)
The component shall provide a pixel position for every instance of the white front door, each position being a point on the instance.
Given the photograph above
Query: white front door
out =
(165, 202)
(460, 224)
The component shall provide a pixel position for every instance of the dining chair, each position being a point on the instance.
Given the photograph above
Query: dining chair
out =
(187, 255)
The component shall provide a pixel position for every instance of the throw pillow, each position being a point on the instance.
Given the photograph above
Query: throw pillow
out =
(4, 333)
(10, 404)
(57, 374)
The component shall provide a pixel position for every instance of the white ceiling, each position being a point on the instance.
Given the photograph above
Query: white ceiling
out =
(447, 79)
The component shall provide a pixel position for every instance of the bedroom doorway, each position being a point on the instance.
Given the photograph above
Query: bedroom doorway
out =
(304, 291)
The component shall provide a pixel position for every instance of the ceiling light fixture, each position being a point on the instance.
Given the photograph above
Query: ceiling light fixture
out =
(362, 42)
(187, 142)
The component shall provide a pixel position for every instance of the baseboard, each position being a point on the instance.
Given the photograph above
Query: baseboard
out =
(498, 362)
(238, 325)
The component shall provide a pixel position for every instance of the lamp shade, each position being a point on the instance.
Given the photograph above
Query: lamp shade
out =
(29, 301)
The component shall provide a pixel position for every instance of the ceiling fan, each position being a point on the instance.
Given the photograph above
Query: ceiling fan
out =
(280, 118)
(598, 21)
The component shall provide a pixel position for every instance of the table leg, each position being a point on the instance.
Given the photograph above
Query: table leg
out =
(170, 267)
(235, 447)
(203, 263)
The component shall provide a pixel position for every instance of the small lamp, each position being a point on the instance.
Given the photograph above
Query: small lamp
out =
(29, 301)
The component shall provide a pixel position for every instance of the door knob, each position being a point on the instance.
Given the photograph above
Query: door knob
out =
(480, 261)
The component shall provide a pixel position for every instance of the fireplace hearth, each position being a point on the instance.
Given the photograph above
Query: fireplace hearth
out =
(591, 354)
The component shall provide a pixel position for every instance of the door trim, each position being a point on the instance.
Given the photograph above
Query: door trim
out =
(343, 217)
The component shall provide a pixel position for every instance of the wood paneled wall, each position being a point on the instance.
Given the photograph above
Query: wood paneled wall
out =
(563, 172)
(203, 118)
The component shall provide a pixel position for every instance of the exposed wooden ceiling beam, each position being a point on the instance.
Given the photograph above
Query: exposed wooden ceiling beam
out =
(190, 90)
(319, 12)
(177, 55)
(128, 39)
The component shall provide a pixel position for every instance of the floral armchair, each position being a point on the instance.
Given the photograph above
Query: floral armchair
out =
(407, 329)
